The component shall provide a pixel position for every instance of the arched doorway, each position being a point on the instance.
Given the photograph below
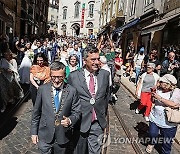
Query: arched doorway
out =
(90, 26)
(63, 28)
(75, 29)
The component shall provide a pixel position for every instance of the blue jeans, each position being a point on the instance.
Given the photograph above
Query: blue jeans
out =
(167, 135)
(137, 70)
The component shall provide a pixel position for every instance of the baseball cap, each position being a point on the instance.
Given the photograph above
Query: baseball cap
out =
(168, 78)
(142, 49)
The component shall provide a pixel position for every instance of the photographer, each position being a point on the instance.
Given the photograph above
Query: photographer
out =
(170, 66)
(106, 48)
(130, 60)
(166, 95)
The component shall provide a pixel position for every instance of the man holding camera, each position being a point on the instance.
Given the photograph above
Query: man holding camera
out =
(170, 66)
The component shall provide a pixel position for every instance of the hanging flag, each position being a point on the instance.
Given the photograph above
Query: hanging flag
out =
(82, 15)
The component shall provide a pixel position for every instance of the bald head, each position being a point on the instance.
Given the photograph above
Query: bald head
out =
(171, 56)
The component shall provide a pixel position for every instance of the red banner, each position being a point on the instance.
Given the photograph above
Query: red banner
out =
(82, 16)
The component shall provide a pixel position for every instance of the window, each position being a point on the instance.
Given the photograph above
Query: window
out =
(132, 7)
(64, 13)
(114, 7)
(91, 10)
(109, 12)
(52, 18)
(90, 25)
(105, 15)
(76, 13)
(121, 5)
(148, 2)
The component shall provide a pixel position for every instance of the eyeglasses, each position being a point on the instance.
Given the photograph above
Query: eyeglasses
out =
(58, 77)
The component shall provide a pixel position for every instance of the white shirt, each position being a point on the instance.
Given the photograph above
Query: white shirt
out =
(158, 115)
(138, 60)
(87, 77)
(60, 93)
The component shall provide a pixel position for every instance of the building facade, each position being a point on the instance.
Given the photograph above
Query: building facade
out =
(53, 12)
(7, 18)
(149, 23)
(23, 17)
(79, 18)
(34, 15)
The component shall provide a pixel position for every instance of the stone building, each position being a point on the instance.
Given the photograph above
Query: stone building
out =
(150, 23)
(7, 18)
(23, 17)
(53, 16)
(34, 15)
(79, 18)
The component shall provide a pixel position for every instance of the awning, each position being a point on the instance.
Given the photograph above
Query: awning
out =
(128, 25)
(104, 30)
(153, 29)
(157, 26)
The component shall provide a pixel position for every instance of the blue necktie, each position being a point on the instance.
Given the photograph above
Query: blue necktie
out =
(56, 100)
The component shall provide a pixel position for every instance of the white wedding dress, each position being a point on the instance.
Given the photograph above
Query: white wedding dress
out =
(24, 69)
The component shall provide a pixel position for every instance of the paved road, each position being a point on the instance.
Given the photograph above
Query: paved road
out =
(15, 137)
(135, 122)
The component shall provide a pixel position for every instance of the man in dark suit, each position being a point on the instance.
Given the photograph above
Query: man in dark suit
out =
(40, 48)
(92, 85)
(56, 111)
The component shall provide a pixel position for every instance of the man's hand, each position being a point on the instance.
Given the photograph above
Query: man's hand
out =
(34, 139)
(65, 122)
(172, 67)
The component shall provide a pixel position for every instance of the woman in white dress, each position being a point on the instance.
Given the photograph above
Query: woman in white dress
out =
(34, 45)
(64, 55)
(24, 69)
(10, 89)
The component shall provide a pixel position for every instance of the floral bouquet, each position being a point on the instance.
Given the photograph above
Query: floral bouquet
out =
(31, 55)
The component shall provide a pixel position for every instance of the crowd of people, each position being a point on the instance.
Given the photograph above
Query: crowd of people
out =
(72, 80)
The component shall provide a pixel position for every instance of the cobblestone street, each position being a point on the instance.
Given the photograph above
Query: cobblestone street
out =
(135, 123)
(16, 133)
(15, 138)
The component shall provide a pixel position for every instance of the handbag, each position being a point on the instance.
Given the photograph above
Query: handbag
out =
(172, 114)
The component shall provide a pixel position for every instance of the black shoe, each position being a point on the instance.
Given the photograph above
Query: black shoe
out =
(130, 79)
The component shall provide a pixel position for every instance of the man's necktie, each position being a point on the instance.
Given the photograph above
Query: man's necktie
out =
(92, 91)
(91, 85)
(56, 100)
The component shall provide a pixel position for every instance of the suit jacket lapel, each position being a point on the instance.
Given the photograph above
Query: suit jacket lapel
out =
(65, 93)
(82, 80)
(49, 90)
(99, 82)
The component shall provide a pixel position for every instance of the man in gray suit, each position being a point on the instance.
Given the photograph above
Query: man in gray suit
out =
(56, 111)
(92, 85)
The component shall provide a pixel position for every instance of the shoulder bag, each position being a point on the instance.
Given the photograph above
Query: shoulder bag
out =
(173, 115)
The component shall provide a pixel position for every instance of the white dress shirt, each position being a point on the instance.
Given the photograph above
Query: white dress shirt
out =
(60, 93)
